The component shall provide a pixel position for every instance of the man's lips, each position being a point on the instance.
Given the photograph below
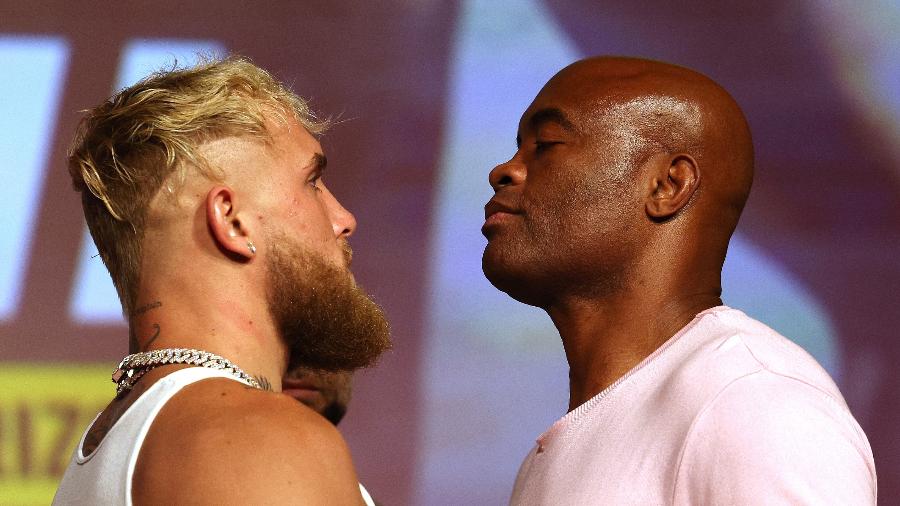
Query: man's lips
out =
(300, 389)
(496, 212)
(300, 384)
(495, 206)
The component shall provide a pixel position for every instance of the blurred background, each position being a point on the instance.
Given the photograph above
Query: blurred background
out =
(430, 93)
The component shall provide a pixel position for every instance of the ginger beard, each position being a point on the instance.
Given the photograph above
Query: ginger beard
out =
(326, 320)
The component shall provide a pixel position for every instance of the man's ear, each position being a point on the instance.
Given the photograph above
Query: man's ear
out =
(229, 233)
(674, 183)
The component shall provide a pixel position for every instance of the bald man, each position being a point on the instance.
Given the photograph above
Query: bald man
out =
(614, 216)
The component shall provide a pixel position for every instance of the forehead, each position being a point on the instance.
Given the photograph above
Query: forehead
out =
(567, 99)
(240, 160)
(290, 140)
(594, 103)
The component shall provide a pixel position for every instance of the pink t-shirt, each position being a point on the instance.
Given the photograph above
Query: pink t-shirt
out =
(725, 412)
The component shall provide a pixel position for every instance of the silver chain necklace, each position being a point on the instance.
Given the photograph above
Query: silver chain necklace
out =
(136, 365)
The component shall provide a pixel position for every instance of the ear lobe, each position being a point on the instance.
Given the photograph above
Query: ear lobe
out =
(229, 234)
(673, 189)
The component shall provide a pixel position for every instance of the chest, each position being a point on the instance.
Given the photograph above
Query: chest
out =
(621, 458)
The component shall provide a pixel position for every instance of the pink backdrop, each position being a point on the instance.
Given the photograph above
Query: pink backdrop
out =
(822, 100)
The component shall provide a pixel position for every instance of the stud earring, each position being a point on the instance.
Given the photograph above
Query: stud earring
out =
(251, 247)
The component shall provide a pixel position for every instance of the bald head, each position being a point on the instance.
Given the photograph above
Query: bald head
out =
(621, 163)
(655, 107)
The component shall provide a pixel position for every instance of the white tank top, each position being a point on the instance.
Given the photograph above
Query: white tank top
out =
(104, 476)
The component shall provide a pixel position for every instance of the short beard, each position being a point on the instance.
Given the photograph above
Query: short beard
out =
(326, 320)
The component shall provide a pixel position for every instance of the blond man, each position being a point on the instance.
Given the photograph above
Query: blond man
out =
(203, 192)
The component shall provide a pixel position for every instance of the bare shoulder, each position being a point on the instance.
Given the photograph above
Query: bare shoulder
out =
(219, 440)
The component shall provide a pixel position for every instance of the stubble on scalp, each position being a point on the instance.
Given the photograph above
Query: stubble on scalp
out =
(327, 321)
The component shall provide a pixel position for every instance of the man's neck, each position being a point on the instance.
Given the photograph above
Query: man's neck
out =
(604, 339)
(217, 326)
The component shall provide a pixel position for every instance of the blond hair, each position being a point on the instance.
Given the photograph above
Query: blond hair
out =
(127, 147)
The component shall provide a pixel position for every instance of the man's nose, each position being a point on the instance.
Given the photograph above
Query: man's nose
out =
(346, 223)
(509, 173)
(342, 221)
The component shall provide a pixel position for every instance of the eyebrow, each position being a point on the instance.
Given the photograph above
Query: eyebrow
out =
(548, 115)
(319, 162)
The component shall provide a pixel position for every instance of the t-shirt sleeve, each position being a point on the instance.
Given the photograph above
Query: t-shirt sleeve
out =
(770, 439)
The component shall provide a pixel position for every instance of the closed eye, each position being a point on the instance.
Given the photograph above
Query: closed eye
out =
(541, 146)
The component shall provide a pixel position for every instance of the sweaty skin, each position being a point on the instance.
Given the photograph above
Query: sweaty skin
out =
(615, 212)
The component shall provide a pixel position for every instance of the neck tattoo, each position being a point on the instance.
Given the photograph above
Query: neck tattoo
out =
(136, 365)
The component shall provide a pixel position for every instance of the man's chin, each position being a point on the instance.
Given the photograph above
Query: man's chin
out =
(514, 278)
(498, 266)
(325, 319)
